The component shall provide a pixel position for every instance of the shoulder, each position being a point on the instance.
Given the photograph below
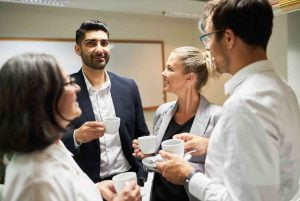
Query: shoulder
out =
(114, 78)
(212, 109)
(77, 74)
(165, 107)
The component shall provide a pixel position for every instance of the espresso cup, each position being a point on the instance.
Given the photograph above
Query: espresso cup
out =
(174, 146)
(122, 179)
(147, 144)
(111, 124)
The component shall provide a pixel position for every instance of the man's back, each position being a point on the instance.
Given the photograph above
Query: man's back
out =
(259, 144)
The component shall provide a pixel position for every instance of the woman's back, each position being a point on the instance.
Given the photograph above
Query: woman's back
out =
(46, 175)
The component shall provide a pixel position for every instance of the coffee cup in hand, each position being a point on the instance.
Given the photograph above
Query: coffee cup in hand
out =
(123, 179)
(174, 146)
(111, 124)
(147, 144)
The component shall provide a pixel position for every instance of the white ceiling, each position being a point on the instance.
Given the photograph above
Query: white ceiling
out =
(174, 8)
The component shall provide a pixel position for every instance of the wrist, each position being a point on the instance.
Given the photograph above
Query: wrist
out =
(189, 177)
(77, 137)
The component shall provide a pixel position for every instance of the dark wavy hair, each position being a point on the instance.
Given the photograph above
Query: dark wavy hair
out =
(251, 20)
(30, 87)
(90, 25)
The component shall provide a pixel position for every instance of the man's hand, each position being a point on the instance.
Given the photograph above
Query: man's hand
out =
(193, 143)
(175, 169)
(137, 152)
(130, 192)
(89, 131)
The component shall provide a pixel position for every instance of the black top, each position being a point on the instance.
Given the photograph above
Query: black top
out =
(162, 190)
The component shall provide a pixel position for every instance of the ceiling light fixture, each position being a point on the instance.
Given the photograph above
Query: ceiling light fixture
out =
(60, 3)
(181, 14)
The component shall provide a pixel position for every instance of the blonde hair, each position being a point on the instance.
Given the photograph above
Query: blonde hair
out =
(195, 61)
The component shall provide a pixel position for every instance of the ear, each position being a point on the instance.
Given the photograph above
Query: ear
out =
(190, 77)
(230, 38)
(77, 50)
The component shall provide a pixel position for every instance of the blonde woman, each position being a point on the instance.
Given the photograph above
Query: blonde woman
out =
(185, 74)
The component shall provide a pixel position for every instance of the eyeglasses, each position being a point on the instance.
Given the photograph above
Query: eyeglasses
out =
(71, 82)
(206, 38)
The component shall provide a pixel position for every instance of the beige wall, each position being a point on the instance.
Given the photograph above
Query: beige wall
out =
(294, 52)
(17, 20)
(278, 45)
(34, 21)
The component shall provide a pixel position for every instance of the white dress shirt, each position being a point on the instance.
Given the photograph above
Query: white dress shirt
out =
(47, 175)
(112, 159)
(253, 154)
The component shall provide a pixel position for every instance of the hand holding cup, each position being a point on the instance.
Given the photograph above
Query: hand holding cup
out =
(144, 146)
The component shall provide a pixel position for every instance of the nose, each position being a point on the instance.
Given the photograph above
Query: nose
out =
(163, 74)
(77, 88)
(99, 48)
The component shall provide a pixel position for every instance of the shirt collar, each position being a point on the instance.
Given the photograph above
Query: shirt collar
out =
(244, 73)
(105, 87)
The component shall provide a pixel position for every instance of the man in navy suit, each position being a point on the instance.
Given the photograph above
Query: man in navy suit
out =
(103, 94)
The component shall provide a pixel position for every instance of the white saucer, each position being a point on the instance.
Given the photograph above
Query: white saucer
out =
(149, 162)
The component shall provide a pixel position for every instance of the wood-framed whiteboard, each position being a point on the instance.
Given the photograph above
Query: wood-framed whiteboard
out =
(143, 61)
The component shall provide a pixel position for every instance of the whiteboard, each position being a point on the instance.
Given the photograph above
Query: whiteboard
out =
(141, 61)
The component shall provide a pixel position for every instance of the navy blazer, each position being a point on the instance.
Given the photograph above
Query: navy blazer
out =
(128, 107)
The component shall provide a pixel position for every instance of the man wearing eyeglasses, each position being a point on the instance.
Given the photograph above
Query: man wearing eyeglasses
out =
(253, 154)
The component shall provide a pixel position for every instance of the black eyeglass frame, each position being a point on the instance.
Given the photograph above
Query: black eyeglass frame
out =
(201, 37)
(71, 82)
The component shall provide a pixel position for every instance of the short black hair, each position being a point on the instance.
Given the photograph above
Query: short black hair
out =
(251, 20)
(90, 25)
(30, 87)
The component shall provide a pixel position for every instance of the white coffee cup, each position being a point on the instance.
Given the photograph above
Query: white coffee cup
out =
(175, 146)
(111, 124)
(147, 144)
(122, 179)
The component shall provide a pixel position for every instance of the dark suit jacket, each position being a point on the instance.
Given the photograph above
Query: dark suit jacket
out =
(128, 107)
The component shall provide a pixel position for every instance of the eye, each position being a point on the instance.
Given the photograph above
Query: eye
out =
(91, 43)
(104, 43)
(169, 68)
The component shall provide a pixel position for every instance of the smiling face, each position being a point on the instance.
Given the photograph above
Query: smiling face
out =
(94, 50)
(173, 76)
(68, 106)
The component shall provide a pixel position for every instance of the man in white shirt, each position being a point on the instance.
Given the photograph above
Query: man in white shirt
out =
(103, 94)
(254, 150)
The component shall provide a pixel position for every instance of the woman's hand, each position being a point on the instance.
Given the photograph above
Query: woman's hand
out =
(137, 152)
(130, 192)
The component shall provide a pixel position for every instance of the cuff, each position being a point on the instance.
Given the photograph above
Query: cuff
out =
(197, 185)
(75, 143)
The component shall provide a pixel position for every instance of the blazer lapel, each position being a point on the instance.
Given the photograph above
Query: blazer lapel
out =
(202, 118)
(84, 98)
(116, 97)
(167, 116)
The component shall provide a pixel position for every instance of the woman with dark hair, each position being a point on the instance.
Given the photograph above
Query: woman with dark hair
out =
(38, 101)
(185, 74)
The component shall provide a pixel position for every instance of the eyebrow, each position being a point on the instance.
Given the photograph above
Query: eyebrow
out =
(88, 40)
